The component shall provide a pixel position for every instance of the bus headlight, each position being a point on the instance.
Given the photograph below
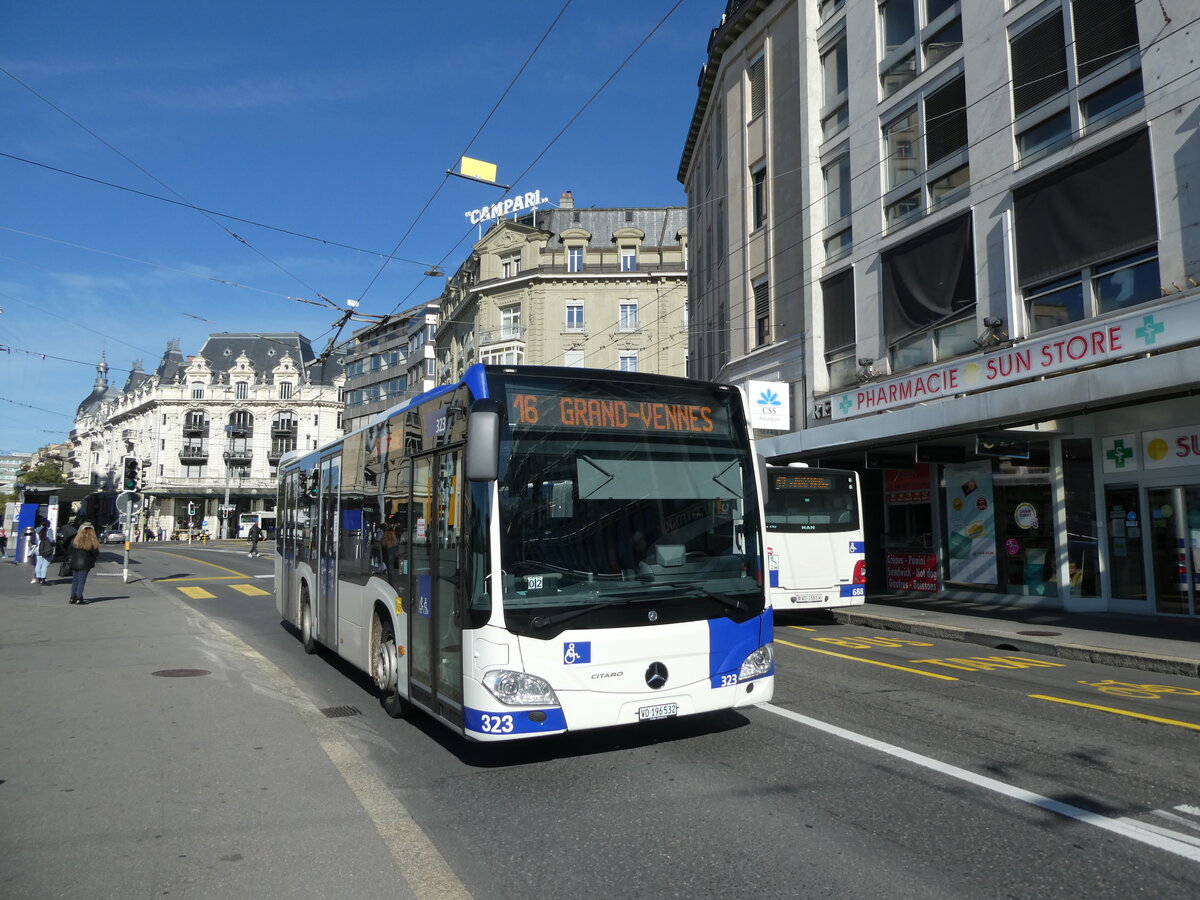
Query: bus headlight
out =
(757, 663)
(519, 689)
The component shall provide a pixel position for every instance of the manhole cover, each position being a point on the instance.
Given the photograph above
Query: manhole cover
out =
(338, 712)
(180, 673)
(1041, 633)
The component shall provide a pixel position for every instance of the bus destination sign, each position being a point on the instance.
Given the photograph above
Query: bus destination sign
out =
(552, 410)
(802, 482)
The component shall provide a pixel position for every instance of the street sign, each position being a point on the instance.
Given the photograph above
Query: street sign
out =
(128, 502)
(204, 523)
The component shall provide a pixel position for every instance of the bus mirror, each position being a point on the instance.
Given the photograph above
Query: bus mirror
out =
(483, 441)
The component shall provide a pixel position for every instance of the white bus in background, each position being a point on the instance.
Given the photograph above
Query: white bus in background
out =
(816, 552)
(264, 520)
(536, 550)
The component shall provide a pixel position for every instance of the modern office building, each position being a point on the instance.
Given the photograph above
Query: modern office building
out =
(10, 465)
(208, 430)
(960, 242)
(387, 362)
(602, 288)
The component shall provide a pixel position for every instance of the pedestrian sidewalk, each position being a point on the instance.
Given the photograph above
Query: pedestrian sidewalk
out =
(145, 751)
(1163, 645)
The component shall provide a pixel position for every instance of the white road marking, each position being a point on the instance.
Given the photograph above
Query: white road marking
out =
(1179, 844)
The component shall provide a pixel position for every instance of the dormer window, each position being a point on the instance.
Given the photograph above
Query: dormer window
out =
(241, 390)
(510, 266)
(285, 390)
(629, 259)
(574, 259)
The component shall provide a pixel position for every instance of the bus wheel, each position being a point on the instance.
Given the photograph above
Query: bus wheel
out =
(307, 638)
(384, 668)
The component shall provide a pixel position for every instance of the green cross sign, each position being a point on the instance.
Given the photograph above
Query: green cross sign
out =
(846, 403)
(1119, 453)
(1150, 329)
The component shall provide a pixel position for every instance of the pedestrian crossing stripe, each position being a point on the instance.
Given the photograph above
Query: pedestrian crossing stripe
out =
(250, 590)
(197, 593)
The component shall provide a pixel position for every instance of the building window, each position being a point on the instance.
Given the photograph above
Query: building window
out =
(835, 112)
(575, 320)
(628, 361)
(629, 316)
(837, 299)
(197, 392)
(510, 355)
(1063, 88)
(285, 390)
(1093, 291)
(928, 295)
(756, 87)
(762, 313)
(241, 390)
(917, 35)
(758, 198)
(628, 259)
(510, 322)
(930, 169)
(510, 266)
(574, 259)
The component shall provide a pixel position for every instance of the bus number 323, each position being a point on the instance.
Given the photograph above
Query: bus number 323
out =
(497, 724)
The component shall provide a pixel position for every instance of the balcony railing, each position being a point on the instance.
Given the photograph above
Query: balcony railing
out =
(502, 334)
(284, 428)
(200, 453)
(236, 456)
(192, 429)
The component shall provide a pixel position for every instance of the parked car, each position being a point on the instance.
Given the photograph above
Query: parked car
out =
(112, 536)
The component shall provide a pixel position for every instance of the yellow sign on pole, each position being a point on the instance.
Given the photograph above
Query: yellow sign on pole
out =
(477, 168)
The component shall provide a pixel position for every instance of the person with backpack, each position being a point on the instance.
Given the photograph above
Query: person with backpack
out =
(254, 535)
(84, 550)
(43, 540)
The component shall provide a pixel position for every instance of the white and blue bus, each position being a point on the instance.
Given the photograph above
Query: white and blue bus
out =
(816, 549)
(533, 551)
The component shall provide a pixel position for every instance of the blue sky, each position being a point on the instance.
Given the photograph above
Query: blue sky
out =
(335, 122)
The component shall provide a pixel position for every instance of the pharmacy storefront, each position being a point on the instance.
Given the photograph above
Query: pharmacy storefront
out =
(1063, 471)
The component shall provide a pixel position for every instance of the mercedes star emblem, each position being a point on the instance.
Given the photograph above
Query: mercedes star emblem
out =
(656, 676)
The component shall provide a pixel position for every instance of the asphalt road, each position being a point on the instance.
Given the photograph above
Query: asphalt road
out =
(886, 765)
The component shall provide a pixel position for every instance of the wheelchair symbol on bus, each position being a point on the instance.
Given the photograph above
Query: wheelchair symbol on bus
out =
(577, 652)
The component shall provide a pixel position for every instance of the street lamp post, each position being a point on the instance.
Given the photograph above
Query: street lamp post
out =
(228, 463)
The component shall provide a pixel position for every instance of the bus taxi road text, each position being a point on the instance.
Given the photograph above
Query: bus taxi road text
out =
(1104, 689)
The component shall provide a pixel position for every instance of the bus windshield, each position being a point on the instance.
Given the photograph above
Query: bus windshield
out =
(626, 509)
(803, 501)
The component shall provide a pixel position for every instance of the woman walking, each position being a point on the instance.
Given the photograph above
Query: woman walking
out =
(82, 558)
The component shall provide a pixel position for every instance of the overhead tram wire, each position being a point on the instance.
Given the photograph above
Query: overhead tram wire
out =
(167, 187)
(560, 133)
(149, 196)
(445, 178)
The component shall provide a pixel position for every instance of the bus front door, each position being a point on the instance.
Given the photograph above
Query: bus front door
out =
(435, 645)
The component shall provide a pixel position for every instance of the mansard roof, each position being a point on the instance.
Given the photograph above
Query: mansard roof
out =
(265, 350)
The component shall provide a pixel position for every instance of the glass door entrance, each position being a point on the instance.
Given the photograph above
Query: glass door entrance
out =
(1173, 515)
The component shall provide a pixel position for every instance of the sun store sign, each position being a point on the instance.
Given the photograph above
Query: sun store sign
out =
(1106, 341)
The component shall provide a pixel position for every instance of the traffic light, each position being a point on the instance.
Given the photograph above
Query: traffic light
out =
(191, 508)
(132, 470)
(314, 483)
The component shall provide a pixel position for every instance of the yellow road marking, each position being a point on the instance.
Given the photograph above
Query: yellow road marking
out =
(801, 628)
(202, 562)
(1118, 712)
(871, 662)
(250, 590)
(196, 593)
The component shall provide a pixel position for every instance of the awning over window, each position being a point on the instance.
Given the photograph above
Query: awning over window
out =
(1089, 210)
(928, 278)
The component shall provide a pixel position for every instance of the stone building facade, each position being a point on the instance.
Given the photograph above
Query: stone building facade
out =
(602, 288)
(208, 430)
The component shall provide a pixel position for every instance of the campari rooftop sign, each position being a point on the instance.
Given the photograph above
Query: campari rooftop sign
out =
(1108, 341)
(517, 203)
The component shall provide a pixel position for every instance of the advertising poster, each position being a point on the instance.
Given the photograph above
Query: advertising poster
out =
(971, 525)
